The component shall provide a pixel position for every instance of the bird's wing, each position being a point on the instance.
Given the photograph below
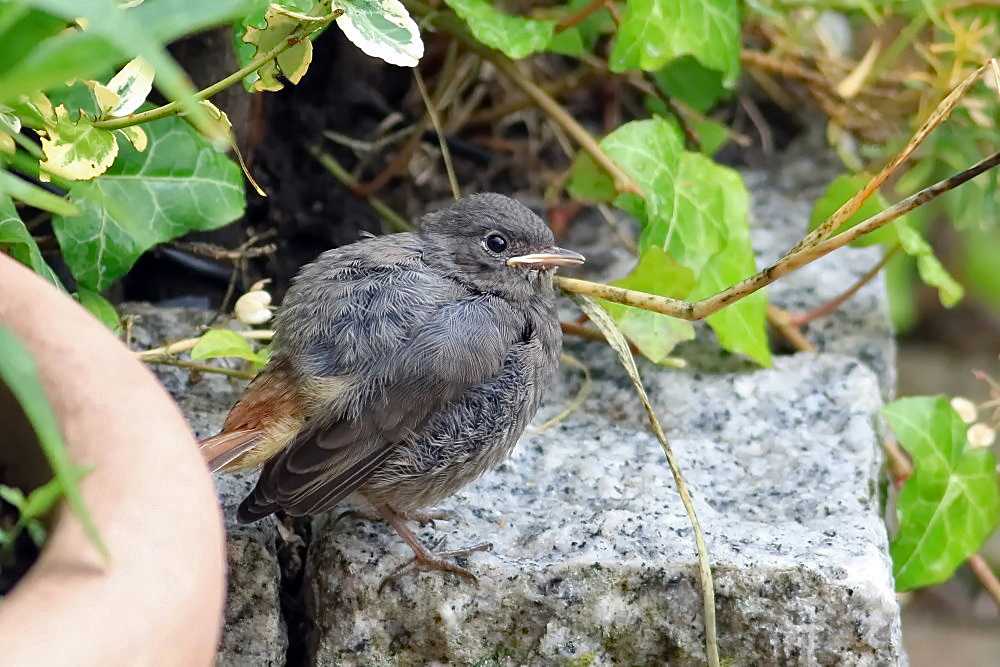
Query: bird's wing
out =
(397, 346)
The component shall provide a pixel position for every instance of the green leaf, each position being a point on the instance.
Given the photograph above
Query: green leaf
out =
(516, 36)
(179, 184)
(21, 30)
(655, 32)
(41, 500)
(100, 308)
(696, 211)
(981, 262)
(17, 240)
(18, 372)
(223, 343)
(382, 29)
(839, 191)
(589, 182)
(691, 82)
(20, 189)
(260, 34)
(950, 505)
(654, 334)
(115, 34)
(901, 230)
(930, 269)
(583, 37)
(14, 496)
(75, 149)
(712, 200)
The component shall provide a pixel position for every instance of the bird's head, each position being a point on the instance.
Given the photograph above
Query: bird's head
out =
(494, 244)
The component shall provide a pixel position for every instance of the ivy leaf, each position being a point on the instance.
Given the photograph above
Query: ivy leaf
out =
(929, 267)
(901, 230)
(17, 240)
(696, 212)
(654, 334)
(132, 85)
(589, 182)
(950, 505)
(711, 217)
(75, 149)
(839, 191)
(382, 29)
(277, 23)
(179, 184)
(655, 32)
(516, 36)
(100, 308)
(688, 80)
(223, 343)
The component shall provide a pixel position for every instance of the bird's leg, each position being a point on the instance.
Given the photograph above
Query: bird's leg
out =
(422, 556)
(423, 517)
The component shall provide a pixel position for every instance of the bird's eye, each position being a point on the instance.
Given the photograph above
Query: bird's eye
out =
(495, 243)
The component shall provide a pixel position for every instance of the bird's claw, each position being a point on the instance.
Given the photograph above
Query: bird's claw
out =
(443, 561)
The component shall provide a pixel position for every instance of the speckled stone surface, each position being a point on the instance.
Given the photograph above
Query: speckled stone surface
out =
(593, 560)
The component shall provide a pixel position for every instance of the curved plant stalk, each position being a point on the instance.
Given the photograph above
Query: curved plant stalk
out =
(794, 259)
(617, 341)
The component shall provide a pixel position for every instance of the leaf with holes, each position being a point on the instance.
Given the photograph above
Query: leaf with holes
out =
(655, 32)
(179, 184)
(950, 504)
(279, 22)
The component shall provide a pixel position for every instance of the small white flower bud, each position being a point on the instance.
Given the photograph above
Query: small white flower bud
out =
(980, 435)
(965, 408)
(254, 307)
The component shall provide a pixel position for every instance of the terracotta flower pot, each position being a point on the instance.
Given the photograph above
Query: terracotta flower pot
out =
(158, 600)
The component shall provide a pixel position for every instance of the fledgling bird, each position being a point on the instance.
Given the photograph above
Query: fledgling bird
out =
(403, 367)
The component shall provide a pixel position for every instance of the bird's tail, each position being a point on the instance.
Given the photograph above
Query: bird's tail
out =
(225, 449)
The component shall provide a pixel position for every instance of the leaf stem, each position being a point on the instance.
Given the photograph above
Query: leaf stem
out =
(442, 142)
(580, 16)
(217, 87)
(205, 368)
(166, 351)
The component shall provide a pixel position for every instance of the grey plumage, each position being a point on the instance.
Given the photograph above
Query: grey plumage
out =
(418, 360)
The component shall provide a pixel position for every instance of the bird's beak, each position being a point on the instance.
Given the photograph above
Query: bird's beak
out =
(547, 259)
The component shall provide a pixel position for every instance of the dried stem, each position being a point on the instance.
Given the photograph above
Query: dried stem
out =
(454, 26)
(433, 115)
(167, 351)
(204, 368)
(395, 222)
(795, 259)
(834, 304)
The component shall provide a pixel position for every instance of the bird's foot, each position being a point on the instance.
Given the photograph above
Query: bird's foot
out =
(443, 561)
(422, 556)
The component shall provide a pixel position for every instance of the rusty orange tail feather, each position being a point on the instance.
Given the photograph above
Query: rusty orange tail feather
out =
(264, 420)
